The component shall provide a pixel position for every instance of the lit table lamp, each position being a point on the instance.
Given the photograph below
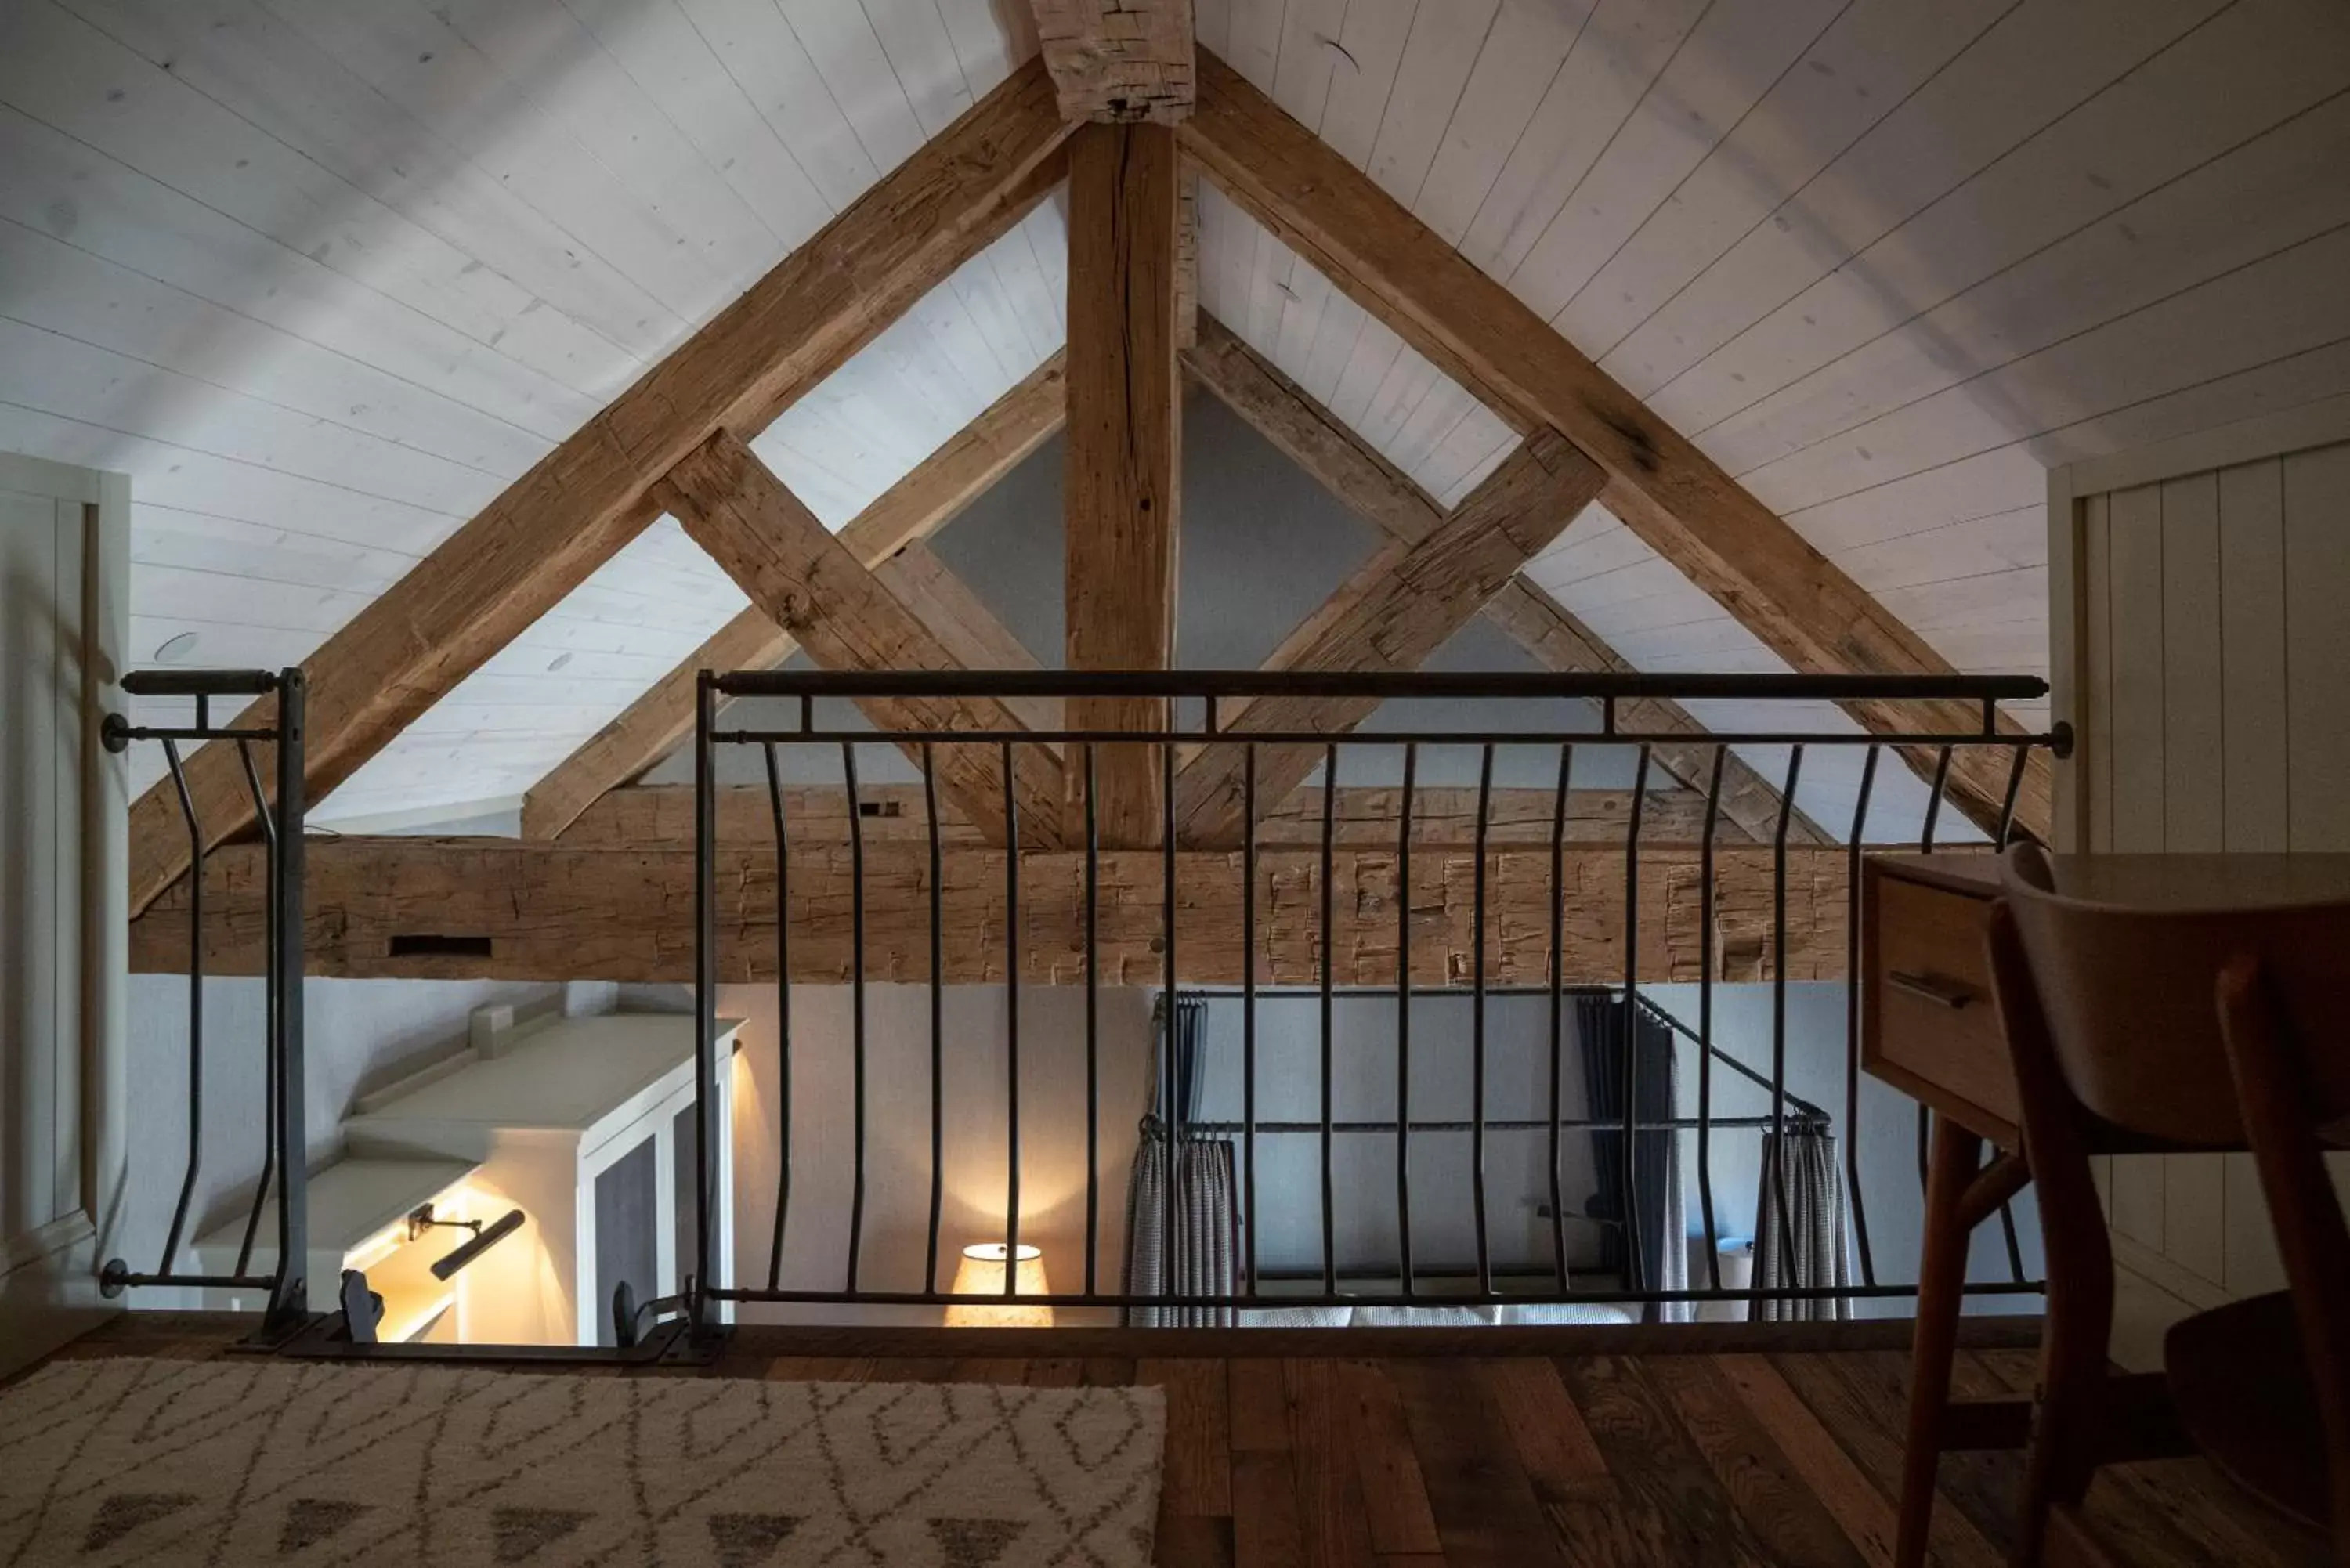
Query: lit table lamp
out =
(980, 1273)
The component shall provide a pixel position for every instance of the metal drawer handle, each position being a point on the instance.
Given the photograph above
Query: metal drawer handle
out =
(1949, 994)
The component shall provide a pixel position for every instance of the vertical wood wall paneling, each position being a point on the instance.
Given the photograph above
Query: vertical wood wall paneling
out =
(2193, 805)
(2134, 701)
(2194, 734)
(2256, 755)
(2318, 660)
(1123, 453)
(2211, 656)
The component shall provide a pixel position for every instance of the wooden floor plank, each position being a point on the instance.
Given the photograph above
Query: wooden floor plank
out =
(1866, 1420)
(1197, 1480)
(1266, 1529)
(1674, 1504)
(1785, 1515)
(1485, 1508)
(1323, 1446)
(989, 1369)
(1395, 1510)
(1257, 1406)
(1190, 1541)
(1864, 1513)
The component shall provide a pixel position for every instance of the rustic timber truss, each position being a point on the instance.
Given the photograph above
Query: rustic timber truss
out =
(1122, 109)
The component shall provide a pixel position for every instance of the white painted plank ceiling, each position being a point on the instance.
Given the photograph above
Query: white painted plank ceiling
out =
(325, 275)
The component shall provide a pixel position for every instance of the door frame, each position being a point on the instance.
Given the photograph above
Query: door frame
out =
(48, 1284)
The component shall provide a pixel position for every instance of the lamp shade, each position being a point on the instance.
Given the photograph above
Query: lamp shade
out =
(980, 1273)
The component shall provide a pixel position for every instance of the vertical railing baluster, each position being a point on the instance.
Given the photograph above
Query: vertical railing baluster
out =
(1177, 1239)
(1638, 1270)
(1558, 1010)
(1248, 998)
(1329, 966)
(856, 1001)
(1013, 955)
(1778, 1006)
(1476, 1024)
(938, 1022)
(1403, 1017)
(1705, 979)
(1925, 846)
(195, 1002)
(289, 1297)
(705, 980)
(270, 1014)
(1934, 803)
(1854, 850)
(1998, 842)
(781, 830)
(2014, 790)
(1093, 1017)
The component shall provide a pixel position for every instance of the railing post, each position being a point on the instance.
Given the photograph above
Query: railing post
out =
(289, 1301)
(705, 988)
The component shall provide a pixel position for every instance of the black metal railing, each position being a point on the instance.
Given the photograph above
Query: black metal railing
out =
(919, 717)
(283, 1172)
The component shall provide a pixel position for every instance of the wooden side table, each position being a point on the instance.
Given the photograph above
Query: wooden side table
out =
(1929, 1028)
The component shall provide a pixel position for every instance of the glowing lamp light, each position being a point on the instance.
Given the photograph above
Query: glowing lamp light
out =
(980, 1273)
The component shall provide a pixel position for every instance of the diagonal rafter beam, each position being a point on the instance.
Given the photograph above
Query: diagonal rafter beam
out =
(1317, 442)
(1397, 608)
(579, 505)
(735, 508)
(928, 497)
(1119, 59)
(1800, 604)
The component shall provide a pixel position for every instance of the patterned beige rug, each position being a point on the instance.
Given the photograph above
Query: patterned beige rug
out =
(307, 1464)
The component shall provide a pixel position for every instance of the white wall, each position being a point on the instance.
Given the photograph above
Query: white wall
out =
(898, 1121)
(2205, 671)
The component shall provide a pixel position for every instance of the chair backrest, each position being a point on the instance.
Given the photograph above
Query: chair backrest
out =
(2128, 996)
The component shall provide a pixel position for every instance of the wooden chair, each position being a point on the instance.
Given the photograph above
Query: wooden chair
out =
(2114, 1016)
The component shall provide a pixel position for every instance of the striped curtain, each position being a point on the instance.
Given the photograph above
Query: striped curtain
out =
(1182, 1217)
(1820, 1255)
(1198, 1255)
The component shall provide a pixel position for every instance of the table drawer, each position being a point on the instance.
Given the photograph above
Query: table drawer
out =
(1930, 1014)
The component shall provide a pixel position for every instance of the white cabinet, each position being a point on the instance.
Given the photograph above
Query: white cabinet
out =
(587, 1125)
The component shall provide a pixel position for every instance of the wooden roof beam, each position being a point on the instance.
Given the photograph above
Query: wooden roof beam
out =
(916, 506)
(1121, 482)
(1364, 816)
(1800, 604)
(1119, 59)
(1397, 608)
(579, 505)
(551, 911)
(1320, 443)
(816, 590)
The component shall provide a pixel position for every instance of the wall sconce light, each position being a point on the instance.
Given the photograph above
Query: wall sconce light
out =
(980, 1273)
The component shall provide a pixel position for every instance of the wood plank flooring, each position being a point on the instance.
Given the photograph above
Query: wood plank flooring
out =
(1748, 1458)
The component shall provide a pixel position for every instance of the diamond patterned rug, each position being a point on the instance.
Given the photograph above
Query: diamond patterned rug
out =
(308, 1464)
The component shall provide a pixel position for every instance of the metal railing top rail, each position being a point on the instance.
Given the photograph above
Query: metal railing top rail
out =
(1597, 686)
(201, 683)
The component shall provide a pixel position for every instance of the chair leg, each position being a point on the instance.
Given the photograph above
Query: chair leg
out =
(1956, 1156)
(2074, 1359)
